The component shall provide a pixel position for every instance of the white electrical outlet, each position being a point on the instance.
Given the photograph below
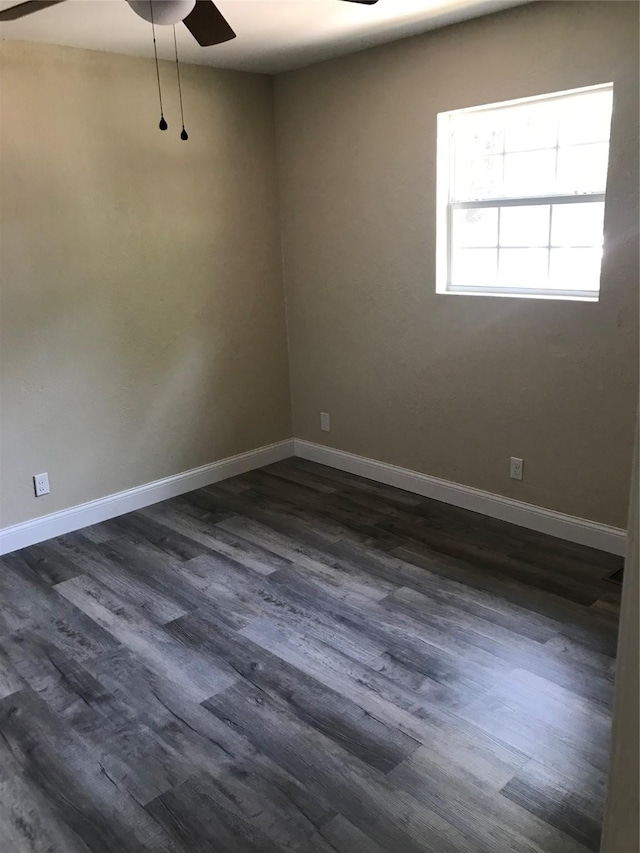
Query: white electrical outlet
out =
(324, 422)
(41, 484)
(515, 470)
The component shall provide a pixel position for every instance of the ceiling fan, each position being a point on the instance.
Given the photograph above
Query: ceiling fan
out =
(202, 18)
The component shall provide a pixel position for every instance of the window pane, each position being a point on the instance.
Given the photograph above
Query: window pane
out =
(586, 118)
(549, 149)
(474, 267)
(481, 178)
(524, 226)
(477, 135)
(575, 269)
(523, 267)
(583, 168)
(532, 173)
(475, 227)
(531, 126)
(577, 224)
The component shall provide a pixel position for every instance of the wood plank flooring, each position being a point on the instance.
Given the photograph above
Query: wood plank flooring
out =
(299, 659)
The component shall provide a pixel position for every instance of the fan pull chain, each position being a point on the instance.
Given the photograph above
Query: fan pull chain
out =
(163, 124)
(184, 135)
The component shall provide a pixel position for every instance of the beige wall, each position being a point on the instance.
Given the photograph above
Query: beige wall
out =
(142, 311)
(454, 385)
(142, 321)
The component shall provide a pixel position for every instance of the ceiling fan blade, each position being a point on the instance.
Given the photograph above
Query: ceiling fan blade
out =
(364, 2)
(22, 9)
(207, 24)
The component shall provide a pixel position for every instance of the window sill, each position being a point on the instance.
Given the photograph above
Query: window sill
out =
(567, 296)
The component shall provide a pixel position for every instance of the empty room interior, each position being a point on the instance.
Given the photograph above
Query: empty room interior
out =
(318, 419)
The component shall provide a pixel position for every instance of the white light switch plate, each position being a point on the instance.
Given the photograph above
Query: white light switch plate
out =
(324, 422)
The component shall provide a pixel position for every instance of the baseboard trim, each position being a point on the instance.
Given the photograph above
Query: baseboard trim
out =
(67, 520)
(568, 527)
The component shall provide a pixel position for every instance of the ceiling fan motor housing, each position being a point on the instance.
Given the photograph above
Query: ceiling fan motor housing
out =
(162, 12)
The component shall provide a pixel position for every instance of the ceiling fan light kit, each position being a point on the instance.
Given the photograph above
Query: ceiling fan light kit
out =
(162, 12)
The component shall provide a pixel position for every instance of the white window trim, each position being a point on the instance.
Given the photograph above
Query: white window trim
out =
(445, 208)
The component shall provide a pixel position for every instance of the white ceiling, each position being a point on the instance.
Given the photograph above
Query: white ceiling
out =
(272, 35)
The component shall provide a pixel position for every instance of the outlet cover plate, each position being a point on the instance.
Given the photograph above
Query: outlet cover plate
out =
(516, 467)
(41, 484)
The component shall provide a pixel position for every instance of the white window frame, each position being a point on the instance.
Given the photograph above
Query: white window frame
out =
(445, 208)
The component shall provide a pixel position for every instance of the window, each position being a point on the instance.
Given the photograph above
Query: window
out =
(521, 189)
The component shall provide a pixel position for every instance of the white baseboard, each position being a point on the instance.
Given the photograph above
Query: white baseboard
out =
(569, 527)
(58, 523)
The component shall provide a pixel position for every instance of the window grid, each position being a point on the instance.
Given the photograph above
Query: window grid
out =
(498, 246)
(504, 155)
(458, 199)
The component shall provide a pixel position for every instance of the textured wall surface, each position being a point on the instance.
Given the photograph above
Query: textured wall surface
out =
(452, 386)
(143, 328)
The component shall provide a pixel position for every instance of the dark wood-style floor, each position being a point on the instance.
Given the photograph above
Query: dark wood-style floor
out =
(301, 660)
